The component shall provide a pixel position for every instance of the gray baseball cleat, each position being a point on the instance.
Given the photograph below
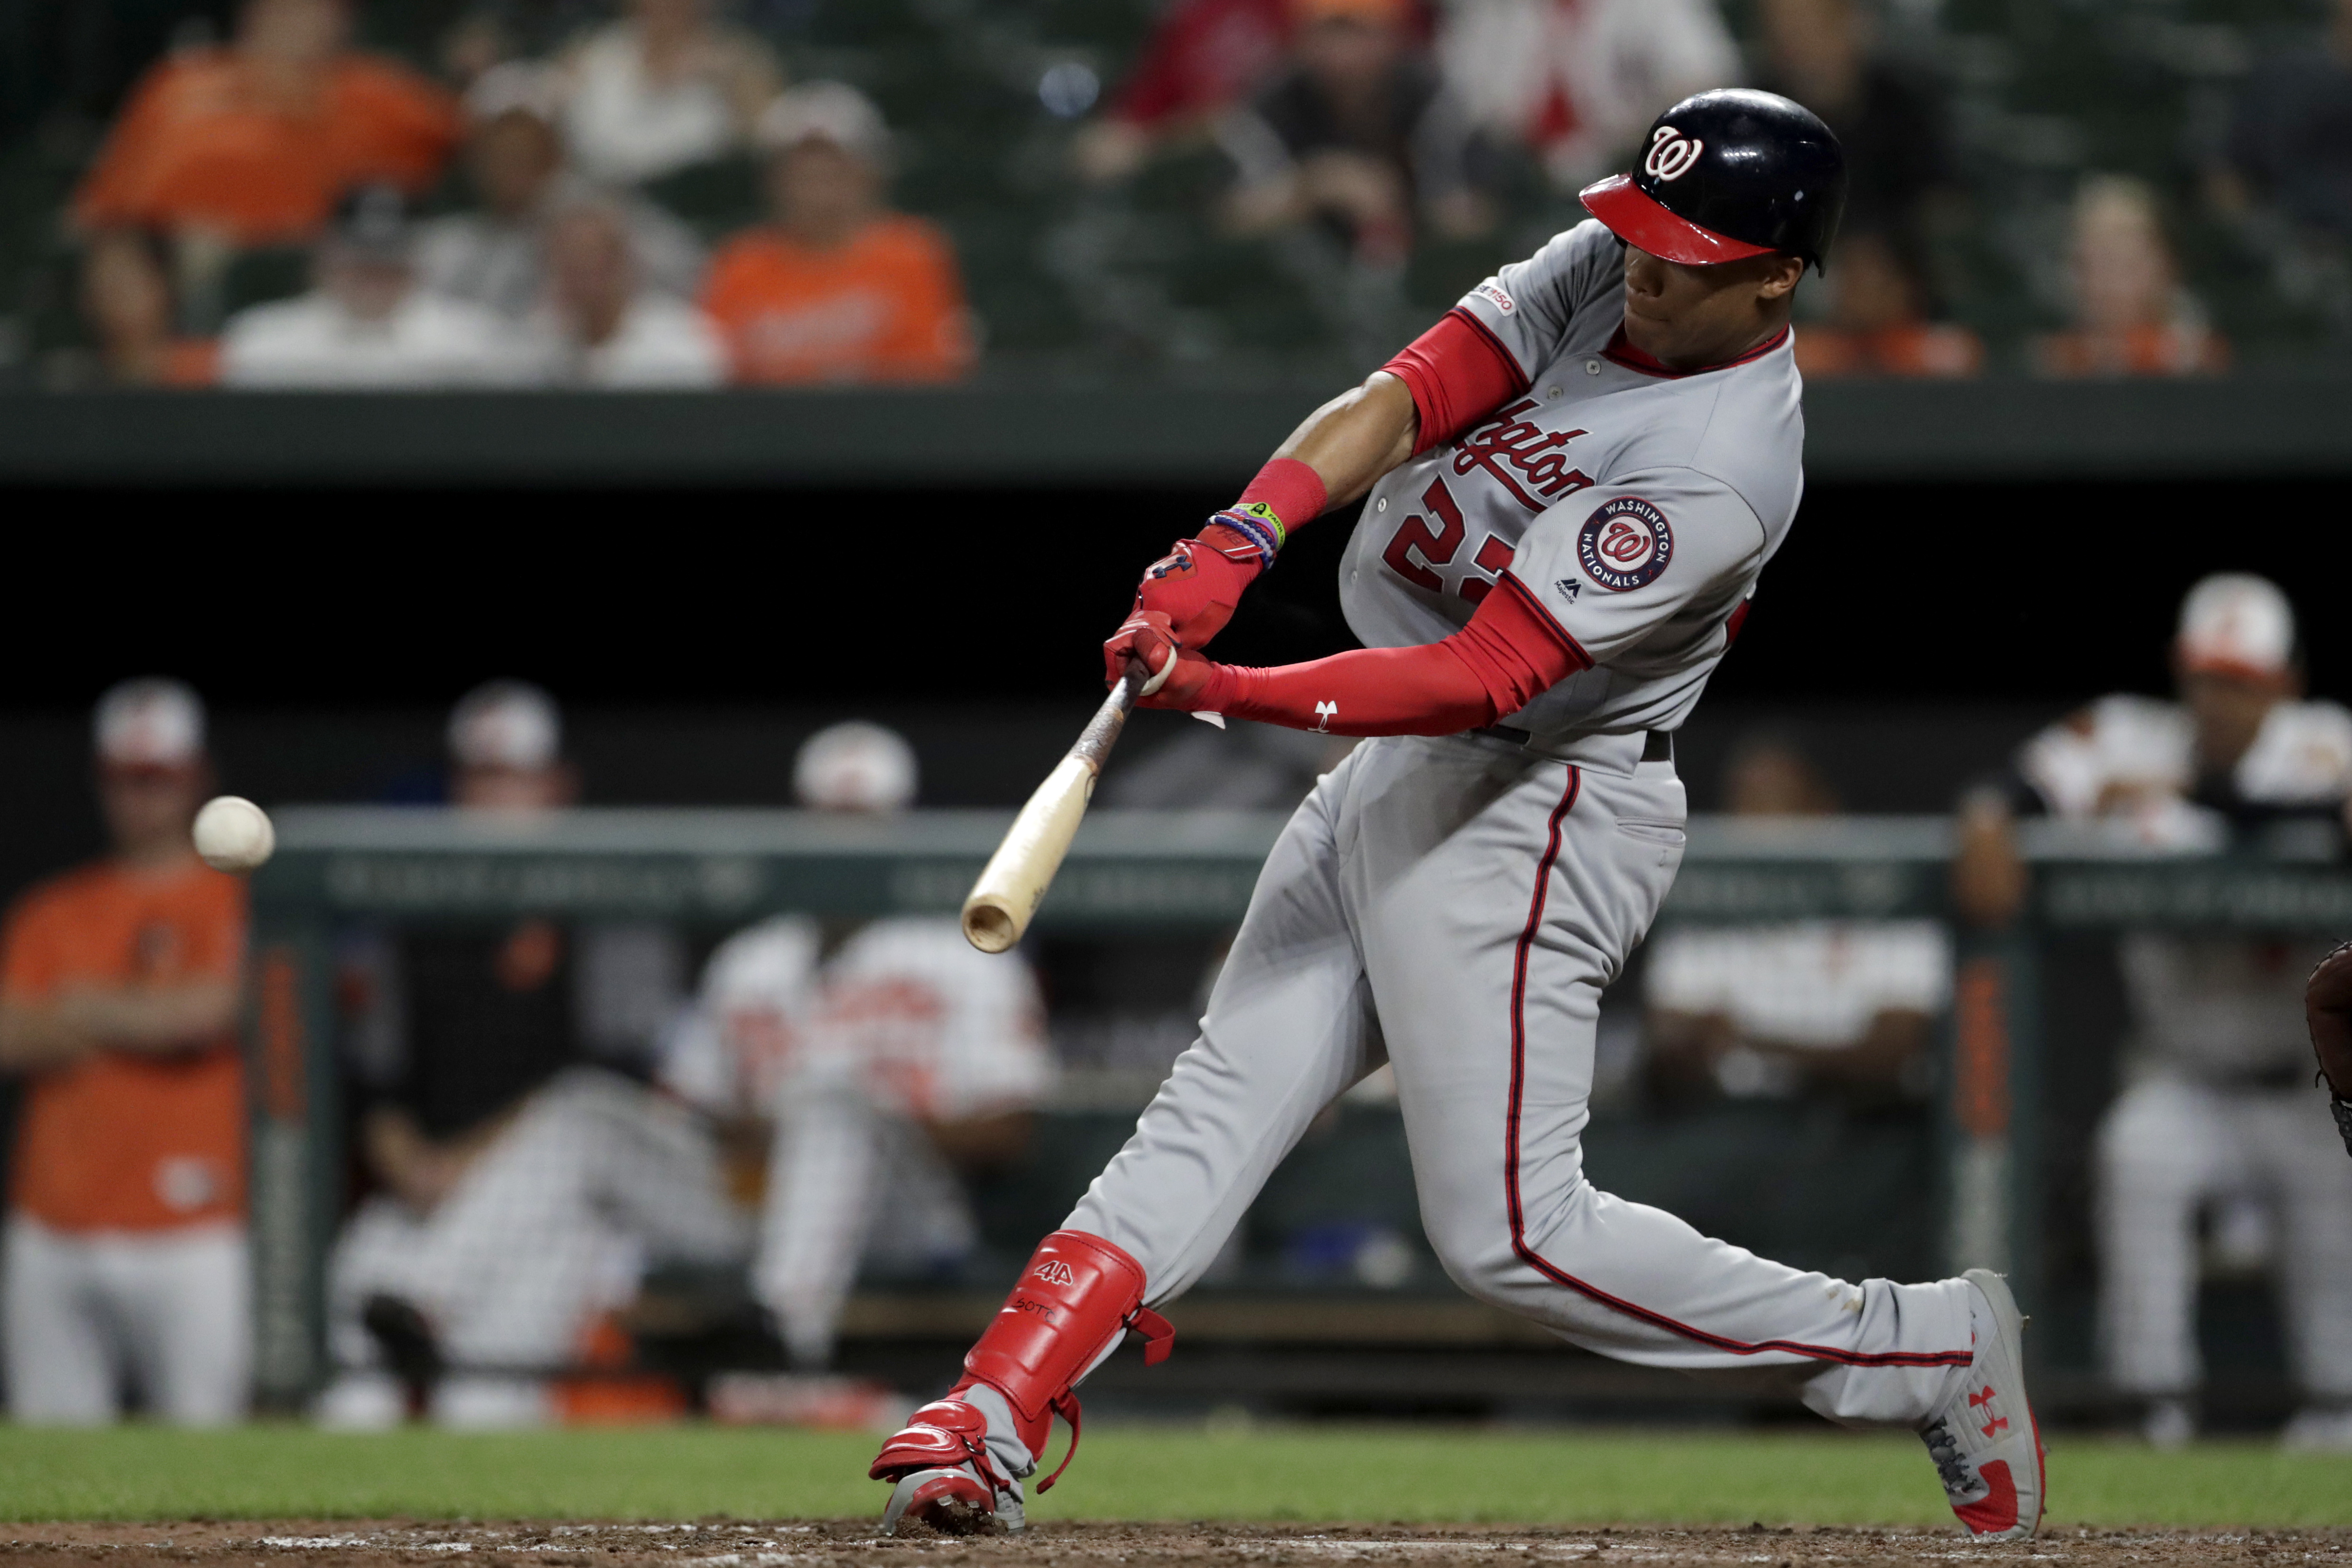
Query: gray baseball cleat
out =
(1985, 1442)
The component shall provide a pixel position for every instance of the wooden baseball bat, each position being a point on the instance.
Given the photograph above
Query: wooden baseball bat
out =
(1014, 881)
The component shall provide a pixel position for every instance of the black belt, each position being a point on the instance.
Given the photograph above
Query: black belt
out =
(1657, 745)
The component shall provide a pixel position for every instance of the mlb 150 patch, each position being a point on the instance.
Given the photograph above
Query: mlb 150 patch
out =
(1626, 544)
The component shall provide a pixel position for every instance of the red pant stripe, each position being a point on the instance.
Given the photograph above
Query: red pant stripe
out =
(1511, 1161)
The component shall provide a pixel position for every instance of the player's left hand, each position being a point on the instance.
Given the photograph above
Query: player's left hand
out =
(1198, 582)
(1179, 678)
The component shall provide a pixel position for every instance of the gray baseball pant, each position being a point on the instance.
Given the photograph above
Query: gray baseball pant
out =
(1455, 907)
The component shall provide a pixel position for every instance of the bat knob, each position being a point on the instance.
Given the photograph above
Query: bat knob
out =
(990, 927)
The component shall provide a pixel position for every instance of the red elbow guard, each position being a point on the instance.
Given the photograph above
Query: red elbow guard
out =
(1457, 374)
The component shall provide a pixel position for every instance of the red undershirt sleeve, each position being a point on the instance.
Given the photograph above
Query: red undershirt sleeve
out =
(1458, 373)
(1511, 651)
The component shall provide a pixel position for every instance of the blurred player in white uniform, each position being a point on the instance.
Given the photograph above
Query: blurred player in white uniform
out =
(1845, 1007)
(883, 1059)
(524, 1191)
(2215, 1112)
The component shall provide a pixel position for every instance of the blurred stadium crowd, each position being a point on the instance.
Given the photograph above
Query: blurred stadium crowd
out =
(686, 192)
(550, 1120)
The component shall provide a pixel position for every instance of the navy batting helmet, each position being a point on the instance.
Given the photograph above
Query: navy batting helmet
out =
(1726, 174)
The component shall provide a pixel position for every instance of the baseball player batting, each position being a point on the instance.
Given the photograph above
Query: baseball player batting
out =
(1573, 480)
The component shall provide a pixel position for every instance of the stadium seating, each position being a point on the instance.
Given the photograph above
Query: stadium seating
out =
(1072, 281)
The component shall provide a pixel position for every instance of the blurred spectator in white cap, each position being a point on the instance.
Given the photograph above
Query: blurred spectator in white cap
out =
(2215, 1113)
(369, 323)
(505, 740)
(1579, 80)
(873, 1064)
(663, 89)
(856, 766)
(603, 329)
(494, 255)
(524, 1184)
(125, 1270)
(838, 287)
(2131, 313)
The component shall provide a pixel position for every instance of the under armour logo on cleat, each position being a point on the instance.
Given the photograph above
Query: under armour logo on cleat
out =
(1324, 713)
(1984, 1402)
(1054, 1272)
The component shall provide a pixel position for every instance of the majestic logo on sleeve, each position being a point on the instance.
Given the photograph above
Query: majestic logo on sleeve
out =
(1626, 544)
(1672, 153)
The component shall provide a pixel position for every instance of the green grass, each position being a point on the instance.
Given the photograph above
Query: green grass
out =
(1313, 1473)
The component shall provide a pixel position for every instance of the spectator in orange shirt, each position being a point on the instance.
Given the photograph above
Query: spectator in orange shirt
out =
(838, 287)
(126, 1251)
(1878, 321)
(2132, 315)
(252, 144)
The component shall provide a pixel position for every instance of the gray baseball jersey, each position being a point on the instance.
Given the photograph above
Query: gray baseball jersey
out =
(1636, 504)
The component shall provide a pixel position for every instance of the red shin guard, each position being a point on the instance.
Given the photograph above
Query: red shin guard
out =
(1078, 1295)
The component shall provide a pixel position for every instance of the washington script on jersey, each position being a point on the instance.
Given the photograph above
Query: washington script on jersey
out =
(1507, 441)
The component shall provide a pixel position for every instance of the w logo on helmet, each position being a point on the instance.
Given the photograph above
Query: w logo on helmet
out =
(1054, 1272)
(1672, 153)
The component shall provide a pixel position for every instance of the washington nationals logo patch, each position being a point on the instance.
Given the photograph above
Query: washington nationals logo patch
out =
(1626, 544)
(1672, 153)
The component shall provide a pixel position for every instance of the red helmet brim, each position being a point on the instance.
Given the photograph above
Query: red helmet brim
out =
(1638, 219)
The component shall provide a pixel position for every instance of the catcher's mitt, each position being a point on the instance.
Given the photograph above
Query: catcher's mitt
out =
(2328, 1008)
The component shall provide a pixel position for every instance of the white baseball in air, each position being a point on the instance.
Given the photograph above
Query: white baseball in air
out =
(233, 834)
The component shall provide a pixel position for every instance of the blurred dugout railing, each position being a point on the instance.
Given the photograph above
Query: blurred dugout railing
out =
(1138, 874)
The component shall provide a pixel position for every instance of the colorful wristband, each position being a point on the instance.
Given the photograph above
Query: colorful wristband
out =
(1257, 524)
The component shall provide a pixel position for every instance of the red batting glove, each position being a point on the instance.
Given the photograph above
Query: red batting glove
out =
(1197, 583)
(1180, 679)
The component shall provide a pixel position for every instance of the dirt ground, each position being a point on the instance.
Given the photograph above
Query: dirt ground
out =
(852, 1545)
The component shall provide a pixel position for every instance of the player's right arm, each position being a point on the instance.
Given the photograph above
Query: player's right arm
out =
(1480, 355)
(1339, 452)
